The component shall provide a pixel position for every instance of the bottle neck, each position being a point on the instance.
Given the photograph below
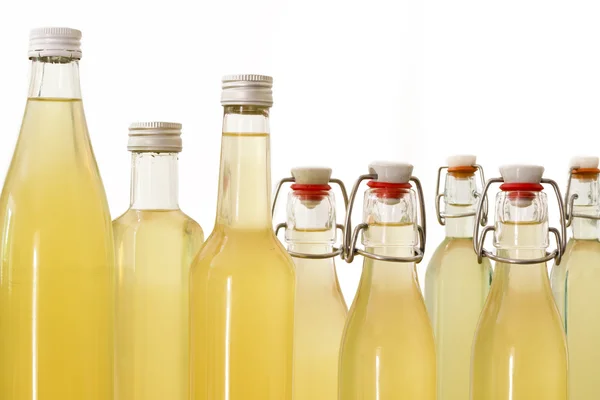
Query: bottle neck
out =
(245, 171)
(54, 77)
(585, 186)
(392, 241)
(154, 181)
(460, 198)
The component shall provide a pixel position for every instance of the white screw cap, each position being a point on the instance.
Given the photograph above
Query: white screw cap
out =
(155, 137)
(55, 42)
(390, 172)
(461, 160)
(311, 175)
(521, 173)
(584, 162)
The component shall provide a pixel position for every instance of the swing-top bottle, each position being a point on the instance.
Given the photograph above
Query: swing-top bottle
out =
(520, 352)
(576, 279)
(320, 310)
(387, 350)
(456, 284)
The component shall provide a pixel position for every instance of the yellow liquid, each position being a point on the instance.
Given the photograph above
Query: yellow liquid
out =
(387, 350)
(456, 287)
(56, 271)
(154, 250)
(319, 322)
(520, 351)
(242, 289)
(582, 264)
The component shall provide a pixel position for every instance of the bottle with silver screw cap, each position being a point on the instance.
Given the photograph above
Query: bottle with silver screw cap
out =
(519, 350)
(387, 349)
(575, 281)
(243, 280)
(456, 284)
(57, 263)
(155, 243)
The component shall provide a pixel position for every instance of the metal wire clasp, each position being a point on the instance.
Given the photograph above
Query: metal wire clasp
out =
(283, 225)
(351, 237)
(478, 242)
(441, 215)
(570, 202)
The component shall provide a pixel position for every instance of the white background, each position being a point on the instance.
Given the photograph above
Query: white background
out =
(405, 80)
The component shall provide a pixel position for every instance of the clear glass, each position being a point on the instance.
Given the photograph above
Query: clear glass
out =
(581, 265)
(388, 350)
(587, 189)
(155, 243)
(456, 287)
(320, 312)
(57, 259)
(520, 352)
(242, 282)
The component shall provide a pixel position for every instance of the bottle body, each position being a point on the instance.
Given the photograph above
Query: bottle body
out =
(56, 274)
(520, 350)
(388, 350)
(558, 276)
(320, 316)
(582, 323)
(242, 282)
(456, 287)
(154, 250)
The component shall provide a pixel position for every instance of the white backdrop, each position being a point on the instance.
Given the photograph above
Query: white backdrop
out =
(410, 80)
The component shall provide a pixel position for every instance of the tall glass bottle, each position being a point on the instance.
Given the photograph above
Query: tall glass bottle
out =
(155, 243)
(388, 351)
(320, 312)
(456, 284)
(242, 281)
(520, 351)
(56, 252)
(581, 265)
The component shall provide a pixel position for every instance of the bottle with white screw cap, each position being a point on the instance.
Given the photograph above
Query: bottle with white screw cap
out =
(519, 350)
(456, 284)
(575, 281)
(388, 350)
(57, 268)
(320, 311)
(155, 243)
(242, 282)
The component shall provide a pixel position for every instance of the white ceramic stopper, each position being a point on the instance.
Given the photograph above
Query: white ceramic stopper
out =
(462, 160)
(390, 172)
(311, 175)
(521, 173)
(583, 162)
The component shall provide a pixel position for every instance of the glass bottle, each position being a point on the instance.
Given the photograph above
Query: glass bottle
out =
(456, 284)
(519, 352)
(56, 252)
(320, 313)
(581, 264)
(155, 243)
(388, 350)
(242, 281)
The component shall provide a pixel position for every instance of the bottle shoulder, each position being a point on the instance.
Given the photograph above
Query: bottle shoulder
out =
(456, 253)
(159, 221)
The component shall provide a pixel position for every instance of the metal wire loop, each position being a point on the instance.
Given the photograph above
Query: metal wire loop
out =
(351, 236)
(320, 256)
(291, 179)
(560, 236)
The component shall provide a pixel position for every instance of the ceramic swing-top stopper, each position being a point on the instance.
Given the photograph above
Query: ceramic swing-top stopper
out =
(584, 162)
(390, 172)
(311, 175)
(520, 173)
(461, 160)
